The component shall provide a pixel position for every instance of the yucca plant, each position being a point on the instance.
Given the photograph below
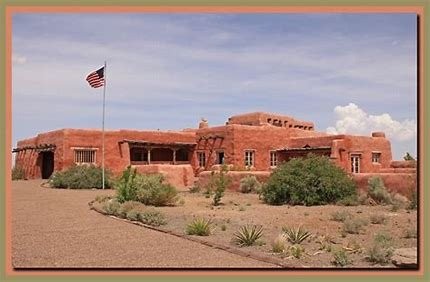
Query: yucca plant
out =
(247, 235)
(296, 235)
(200, 227)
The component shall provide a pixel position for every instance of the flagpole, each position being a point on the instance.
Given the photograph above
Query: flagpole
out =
(103, 128)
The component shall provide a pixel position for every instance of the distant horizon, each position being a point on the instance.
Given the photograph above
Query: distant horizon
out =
(347, 73)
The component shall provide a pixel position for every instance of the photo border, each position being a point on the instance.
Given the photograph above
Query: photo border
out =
(10, 7)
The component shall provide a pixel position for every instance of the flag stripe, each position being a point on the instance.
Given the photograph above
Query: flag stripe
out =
(96, 78)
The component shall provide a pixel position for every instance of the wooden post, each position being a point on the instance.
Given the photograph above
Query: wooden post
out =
(174, 156)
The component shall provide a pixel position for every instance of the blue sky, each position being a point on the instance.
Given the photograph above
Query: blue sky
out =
(353, 73)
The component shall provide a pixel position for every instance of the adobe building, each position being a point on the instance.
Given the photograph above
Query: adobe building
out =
(253, 143)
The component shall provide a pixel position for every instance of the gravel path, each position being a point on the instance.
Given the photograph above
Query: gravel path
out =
(55, 228)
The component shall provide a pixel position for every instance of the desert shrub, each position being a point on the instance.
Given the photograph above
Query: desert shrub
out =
(313, 180)
(352, 200)
(126, 186)
(248, 235)
(295, 235)
(223, 227)
(378, 218)
(377, 191)
(296, 251)
(111, 207)
(324, 242)
(218, 182)
(152, 217)
(279, 244)
(153, 191)
(80, 177)
(18, 173)
(102, 198)
(353, 225)
(200, 227)
(127, 206)
(249, 184)
(382, 249)
(132, 215)
(340, 216)
(147, 189)
(414, 200)
(340, 258)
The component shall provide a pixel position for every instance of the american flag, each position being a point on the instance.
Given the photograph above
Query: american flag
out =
(96, 79)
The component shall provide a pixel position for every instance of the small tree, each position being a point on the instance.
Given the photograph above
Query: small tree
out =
(408, 157)
(218, 183)
(313, 180)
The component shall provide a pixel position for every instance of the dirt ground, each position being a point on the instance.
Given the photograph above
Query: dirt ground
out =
(238, 209)
(55, 228)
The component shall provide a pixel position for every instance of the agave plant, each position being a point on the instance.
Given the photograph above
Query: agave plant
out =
(200, 227)
(296, 235)
(247, 235)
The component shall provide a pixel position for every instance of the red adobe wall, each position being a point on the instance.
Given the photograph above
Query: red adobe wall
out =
(263, 140)
(180, 176)
(345, 145)
(261, 118)
(30, 160)
(402, 183)
(235, 176)
(116, 155)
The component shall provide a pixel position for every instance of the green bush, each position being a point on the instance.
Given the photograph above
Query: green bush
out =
(18, 173)
(382, 249)
(218, 182)
(152, 217)
(313, 180)
(377, 191)
(128, 206)
(147, 189)
(126, 186)
(80, 177)
(250, 184)
(111, 207)
(153, 191)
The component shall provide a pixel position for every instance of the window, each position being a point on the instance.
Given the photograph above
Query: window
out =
(273, 159)
(220, 157)
(85, 156)
(355, 163)
(138, 155)
(249, 158)
(376, 157)
(202, 159)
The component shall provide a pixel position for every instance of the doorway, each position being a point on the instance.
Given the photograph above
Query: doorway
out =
(47, 164)
(355, 163)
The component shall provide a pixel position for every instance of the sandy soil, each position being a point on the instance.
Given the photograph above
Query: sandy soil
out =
(55, 228)
(239, 209)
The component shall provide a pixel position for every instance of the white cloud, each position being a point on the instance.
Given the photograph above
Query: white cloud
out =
(353, 120)
(17, 59)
